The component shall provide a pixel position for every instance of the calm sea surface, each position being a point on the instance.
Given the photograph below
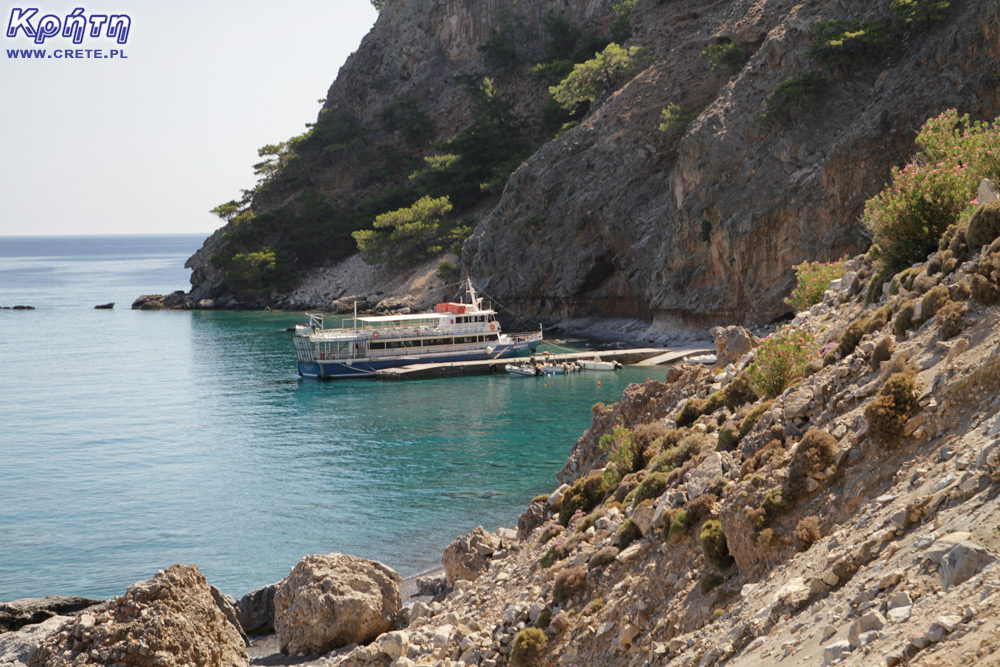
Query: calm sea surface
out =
(131, 440)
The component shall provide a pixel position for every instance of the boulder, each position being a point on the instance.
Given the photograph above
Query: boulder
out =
(327, 602)
(988, 192)
(469, 555)
(962, 562)
(171, 619)
(19, 613)
(105, 306)
(17, 646)
(173, 301)
(256, 610)
(227, 605)
(701, 478)
(731, 343)
(533, 517)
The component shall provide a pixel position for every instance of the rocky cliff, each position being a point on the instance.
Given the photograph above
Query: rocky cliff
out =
(617, 218)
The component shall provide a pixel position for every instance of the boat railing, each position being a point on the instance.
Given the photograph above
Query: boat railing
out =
(392, 333)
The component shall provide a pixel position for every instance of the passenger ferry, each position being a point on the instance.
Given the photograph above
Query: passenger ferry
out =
(454, 332)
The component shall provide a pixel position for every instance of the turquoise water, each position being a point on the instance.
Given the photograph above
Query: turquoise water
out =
(130, 440)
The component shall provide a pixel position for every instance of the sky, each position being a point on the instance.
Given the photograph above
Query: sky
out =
(150, 143)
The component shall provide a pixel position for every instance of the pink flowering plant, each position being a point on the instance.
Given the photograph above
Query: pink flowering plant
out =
(812, 279)
(781, 359)
(924, 198)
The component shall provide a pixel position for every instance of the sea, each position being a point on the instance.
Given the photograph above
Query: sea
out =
(132, 440)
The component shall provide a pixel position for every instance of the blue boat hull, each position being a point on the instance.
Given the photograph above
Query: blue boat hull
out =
(367, 368)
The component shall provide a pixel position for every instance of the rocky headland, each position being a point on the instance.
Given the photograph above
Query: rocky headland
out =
(619, 215)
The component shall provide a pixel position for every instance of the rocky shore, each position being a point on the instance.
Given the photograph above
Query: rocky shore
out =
(849, 519)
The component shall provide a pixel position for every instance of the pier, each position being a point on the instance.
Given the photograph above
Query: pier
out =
(645, 356)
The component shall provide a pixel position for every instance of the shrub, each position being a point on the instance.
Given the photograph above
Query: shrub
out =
(624, 453)
(830, 357)
(807, 532)
(883, 351)
(710, 582)
(500, 47)
(678, 526)
(812, 279)
(726, 55)
(411, 234)
(727, 438)
(628, 533)
(888, 413)
(700, 507)
(776, 500)
(653, 486)
(675, 119)
(585, 494)
(984, 226)
(602, 557)
(850, 43)
(252, 271)
(544, 618)
(851, 337)
(919, 11)
(984, 291)
(878, 319)
(794, 97)
(813, 455)
(903, 321)
(528, 646)
(569, 582)
(780, 359)
(713, 403)
(713, 545)
(751, 417)
(597, 77)
(739, 391)
(595, 605)
(621, 28)
(649, 435)
(950, 316)
(923, 199)
(690, 412)
(933, 301)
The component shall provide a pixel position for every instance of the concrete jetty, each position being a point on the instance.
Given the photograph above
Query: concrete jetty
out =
(645, 356)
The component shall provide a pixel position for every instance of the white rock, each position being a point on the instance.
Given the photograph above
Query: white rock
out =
(393, 644)
(835, 651)
(899, 614)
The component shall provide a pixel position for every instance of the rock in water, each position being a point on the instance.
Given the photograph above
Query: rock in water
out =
(105, 306)
(168, 620)
(331, 601)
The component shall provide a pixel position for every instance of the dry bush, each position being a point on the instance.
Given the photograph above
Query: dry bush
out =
(888, 413)
(883, 352)
(739, 391)
(569, 582)
(950, 317)
(807, 532)
(700, 508)
(813, 455)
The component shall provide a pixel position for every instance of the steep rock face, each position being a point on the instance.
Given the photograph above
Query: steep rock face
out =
(625, 220)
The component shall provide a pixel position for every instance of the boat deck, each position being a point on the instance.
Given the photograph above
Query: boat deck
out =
(645, 356)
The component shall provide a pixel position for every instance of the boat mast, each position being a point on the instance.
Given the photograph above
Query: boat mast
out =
(472, 294)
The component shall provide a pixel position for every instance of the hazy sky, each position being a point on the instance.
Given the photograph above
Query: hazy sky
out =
(150, 143)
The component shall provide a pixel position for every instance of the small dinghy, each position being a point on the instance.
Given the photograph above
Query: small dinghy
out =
(596, 364)
(523, 370)
(702, 359)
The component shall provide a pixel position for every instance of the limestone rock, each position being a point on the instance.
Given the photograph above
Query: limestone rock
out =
(17, 646)
(731, 343)
(701, 478)
(26, 611)
(469, 555)
(168, 620)
(256, 610)
(988, 192)
(330, 601)
(963, 561)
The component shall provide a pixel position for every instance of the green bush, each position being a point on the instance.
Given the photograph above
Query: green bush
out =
(710, 582)
(780, 360)
(621, 28)
(727, 438)
(903, 321)
(933, 301)
(888, 413)
(739, 391)
(678, 526)
(883, 352)
(690, 412)
(812, 279)
(602, 557)
(751, 417)
(500, 48)
(528, 647)
(676, 456)
(873, 292)
(597, 77)
(813, 454)
(585, 494)
(919, 11)
(984, 226)
(252, 271)
(628, 533)
(950, 316)
(850, 43)
(653, 486)
(794, 97)
(713, 545)
(624, 452)
(908, 218)
(675, 119)
(984, 291)
(726, 55)
(851, 337)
